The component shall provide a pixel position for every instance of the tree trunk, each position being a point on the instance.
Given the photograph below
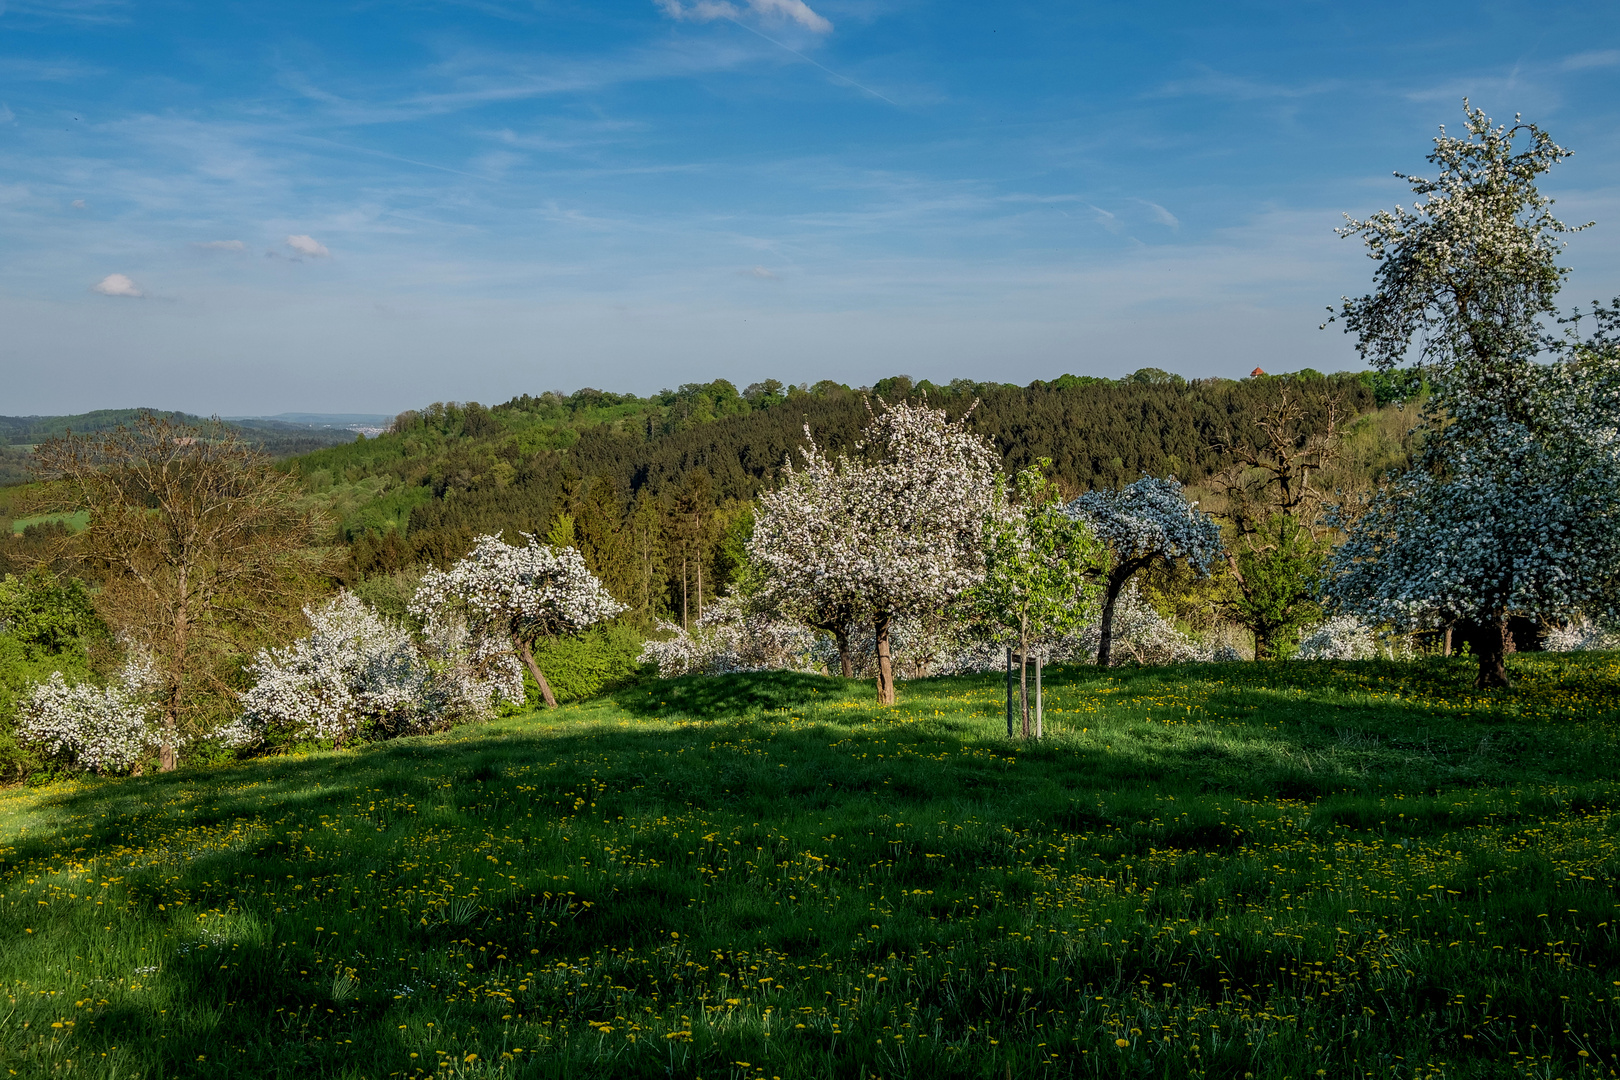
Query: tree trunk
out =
(1116, 585)
(1490, 642)
(540, 680)
(1262, 645)
(685, 624)
(841, 639)
(1105, 636)
(169, 739)
(885, 678)
(167, 758)
(1448, 640)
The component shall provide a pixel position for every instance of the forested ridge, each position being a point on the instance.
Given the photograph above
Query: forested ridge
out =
(278, 438)
(656, 491)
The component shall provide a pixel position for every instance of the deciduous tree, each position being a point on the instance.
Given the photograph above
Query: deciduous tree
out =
(1510, 507)
(516, 595)
(908, 530)
(1040, 564)
(1147, 522)
(199, 542)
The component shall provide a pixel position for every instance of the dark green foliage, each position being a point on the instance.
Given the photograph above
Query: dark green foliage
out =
(692, 459)
(1274, 592)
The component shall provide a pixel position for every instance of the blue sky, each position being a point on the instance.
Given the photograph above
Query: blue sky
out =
(248, 207)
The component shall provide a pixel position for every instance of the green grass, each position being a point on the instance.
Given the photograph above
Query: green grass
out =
(76, 522)
(1354, 870)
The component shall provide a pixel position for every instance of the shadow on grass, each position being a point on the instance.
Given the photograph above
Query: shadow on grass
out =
(728, 697)
(358, 820)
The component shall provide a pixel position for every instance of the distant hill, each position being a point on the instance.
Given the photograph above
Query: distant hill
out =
(276, 437)
(352, 421)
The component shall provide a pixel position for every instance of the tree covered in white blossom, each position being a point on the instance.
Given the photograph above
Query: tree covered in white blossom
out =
(1511, 505)
(1499, 516)
(803, 533)
(103, 729)
(895, 530)
(514, 596)
(1147, 522)
(1468, 272)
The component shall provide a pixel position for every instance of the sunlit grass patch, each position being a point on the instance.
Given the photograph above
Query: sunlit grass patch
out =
(1358, 868)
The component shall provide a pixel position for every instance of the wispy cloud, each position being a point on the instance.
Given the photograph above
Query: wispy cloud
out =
(221, 245)
(760, 273)
(27, 69)
(1219, 84)
(308, 246)
(83, 11)
(795, 12)
(6, 115)
(1601, 58)
(1160, 214)
(1107, 219)
(118, 285)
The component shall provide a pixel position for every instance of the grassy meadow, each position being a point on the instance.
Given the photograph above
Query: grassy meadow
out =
(1292, 870)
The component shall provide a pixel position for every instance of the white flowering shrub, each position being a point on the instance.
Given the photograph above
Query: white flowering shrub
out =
(1580, 635)
(1140, 634)
(471, 674)
(509, 597)
(1342, 637)
(729, 637)
(102, 729)
(355, 674)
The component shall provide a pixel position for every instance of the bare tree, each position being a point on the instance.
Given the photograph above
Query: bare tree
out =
(198, 540)
(1280, 543)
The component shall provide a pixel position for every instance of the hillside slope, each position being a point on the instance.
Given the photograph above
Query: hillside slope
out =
(1284, 870)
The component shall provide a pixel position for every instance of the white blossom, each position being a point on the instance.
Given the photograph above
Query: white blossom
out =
(1145, 522)
(353, 673)
(895, 533)
(728, 638)
(1581, 634)
(508, 597)
(1342, 637)
(103, 729)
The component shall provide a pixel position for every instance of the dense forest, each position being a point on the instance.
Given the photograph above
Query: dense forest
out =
(656, 491)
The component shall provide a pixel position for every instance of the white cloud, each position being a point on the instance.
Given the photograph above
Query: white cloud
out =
(118, 285)
(1106, 219)
(759, 272)
(1160, 214)
(308, 245)
(6, 115)
(237, 245)
(1598, 59)
(78, 204)
(793, 11)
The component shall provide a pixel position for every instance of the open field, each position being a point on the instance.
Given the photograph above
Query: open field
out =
(1350, 870)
